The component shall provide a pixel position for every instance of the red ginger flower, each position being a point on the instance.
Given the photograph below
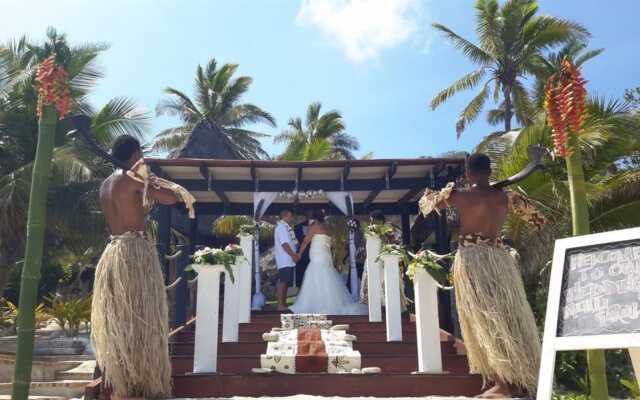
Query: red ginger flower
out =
(53, 87)
(565, 100)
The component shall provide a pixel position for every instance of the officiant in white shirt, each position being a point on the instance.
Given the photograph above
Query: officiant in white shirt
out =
(286, 248)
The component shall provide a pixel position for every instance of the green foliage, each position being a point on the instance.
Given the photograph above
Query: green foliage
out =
(70, 313)
(216, 100)
(9, 315)
(321, 137)
(226, 257)
(381, 230)
(432, 263)
(511, 38)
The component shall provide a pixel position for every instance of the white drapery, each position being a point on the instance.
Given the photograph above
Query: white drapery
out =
(261, 202)
(344, 202)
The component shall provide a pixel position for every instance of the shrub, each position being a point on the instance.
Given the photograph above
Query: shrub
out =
(9, 315)
(71, 313)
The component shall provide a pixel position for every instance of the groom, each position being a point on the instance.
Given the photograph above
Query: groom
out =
(286, 248)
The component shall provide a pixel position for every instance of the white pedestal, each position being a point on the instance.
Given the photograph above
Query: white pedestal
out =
(634, 353)
(230, 316)
(427, 323)
(244, 278)
(206, 346)
(374, 278)
(392, 297)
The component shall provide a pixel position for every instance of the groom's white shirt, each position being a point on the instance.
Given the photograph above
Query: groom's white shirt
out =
(283, 234)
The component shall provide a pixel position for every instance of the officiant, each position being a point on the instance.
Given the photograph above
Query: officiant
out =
(300, 231)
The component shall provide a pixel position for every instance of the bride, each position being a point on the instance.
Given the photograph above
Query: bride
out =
(323, 291)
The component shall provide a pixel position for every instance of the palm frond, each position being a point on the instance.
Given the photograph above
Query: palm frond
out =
(468, 81)
(120, 116)
(472, 110)
(473, 52)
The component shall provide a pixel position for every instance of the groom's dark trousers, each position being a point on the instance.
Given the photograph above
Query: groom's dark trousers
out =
(301, 266)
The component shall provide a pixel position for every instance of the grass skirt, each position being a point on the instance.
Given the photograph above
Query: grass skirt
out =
(497, 323)
(129, 319)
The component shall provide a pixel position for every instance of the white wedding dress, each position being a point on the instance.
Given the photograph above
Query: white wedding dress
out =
(323, 291)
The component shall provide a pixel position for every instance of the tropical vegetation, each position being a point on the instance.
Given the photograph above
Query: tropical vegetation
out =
(511, 38)
(517, 51)
(322, 136)
(216, 101)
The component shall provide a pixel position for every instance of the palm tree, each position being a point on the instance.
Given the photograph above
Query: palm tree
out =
(511, 39)
(216, 103)
(75, 172)
(321, 137)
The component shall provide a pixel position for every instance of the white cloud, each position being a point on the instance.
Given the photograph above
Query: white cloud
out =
(363, 28)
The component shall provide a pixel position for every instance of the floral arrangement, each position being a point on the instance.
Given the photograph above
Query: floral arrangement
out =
(395, 250)
(430, 262)
(352, 224)
(53, 87)
(226, 257)
(247, 230)
(308, 194)
(380, 230)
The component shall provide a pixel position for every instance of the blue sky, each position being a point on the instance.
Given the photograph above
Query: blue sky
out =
(377, 61)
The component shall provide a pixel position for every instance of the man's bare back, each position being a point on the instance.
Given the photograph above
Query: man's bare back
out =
(121, 202)
(482, 210)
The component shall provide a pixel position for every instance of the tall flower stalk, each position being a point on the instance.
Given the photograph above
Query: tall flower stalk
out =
(565, 104)
(53, 103)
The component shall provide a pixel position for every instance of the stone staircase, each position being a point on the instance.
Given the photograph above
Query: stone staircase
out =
(53, 377)
(398, 361)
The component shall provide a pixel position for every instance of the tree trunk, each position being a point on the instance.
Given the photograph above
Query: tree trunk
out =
(508, 113)
(580, 217)
(33, 252)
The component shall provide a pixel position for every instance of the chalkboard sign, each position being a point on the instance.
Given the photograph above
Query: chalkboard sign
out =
(593, 300)
(601, 290)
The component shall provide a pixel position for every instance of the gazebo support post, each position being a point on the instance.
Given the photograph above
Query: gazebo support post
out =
(164, 238)
(406, 229)
(182, 289)
(193, 235)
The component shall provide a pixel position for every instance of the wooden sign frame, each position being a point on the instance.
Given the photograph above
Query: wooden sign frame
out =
(551, 342)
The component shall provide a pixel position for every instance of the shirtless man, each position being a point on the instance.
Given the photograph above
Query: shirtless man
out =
(497, 323)
(129, 309)
(121, 196)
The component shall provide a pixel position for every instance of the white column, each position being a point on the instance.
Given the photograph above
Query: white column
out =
(355, 282)
(427, 323)
(634, 353)
(244, 278)
(205, 358)
(230, 316)
(374, 281)
(392, 297)
(258, 298)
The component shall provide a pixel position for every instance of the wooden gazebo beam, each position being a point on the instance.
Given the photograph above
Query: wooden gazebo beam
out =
(275, 208)
(326, 185)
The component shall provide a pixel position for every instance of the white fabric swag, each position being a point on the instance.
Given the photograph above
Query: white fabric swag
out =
(266, 198)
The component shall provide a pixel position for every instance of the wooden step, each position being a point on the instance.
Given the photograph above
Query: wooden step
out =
(346, 385)
(248, 348)
(389, 363)
(353, 327)
(374, 336)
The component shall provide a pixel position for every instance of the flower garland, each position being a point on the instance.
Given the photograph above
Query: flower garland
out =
(247, 230)
(430, 262)
(226, 257)
(394, 250)
(380, 230)
(565, 98)
(53, 87)
(301, 195)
